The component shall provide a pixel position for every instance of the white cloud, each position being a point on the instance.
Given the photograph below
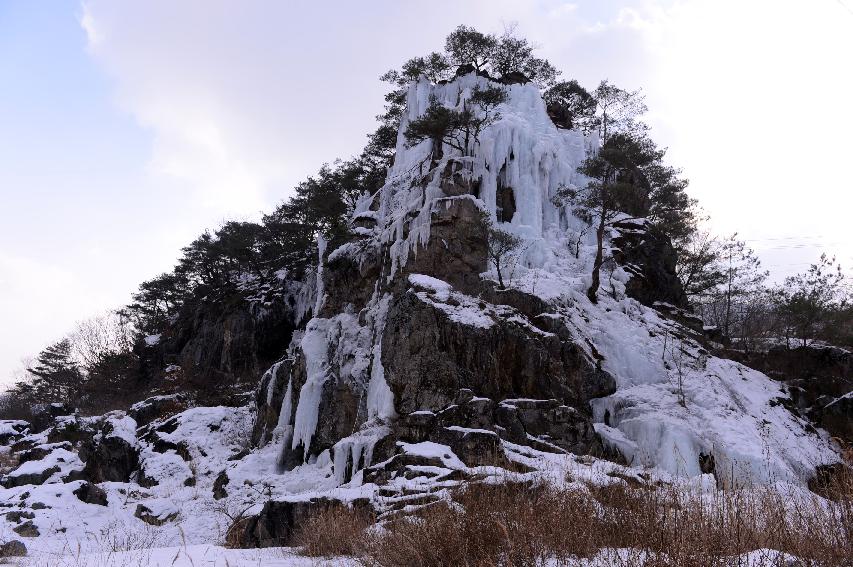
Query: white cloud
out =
(242, 101)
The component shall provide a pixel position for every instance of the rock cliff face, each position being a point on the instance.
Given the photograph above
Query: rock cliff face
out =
(414, 343)
(217, 349)
(819, 380)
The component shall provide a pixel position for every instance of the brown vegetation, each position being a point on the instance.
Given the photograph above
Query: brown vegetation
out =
(528, 524)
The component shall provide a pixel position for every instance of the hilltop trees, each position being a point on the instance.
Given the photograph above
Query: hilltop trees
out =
(459, 129)
(465, 50)
(807, 302)
(572, 105)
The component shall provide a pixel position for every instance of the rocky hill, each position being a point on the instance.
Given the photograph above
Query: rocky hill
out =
(407, 369)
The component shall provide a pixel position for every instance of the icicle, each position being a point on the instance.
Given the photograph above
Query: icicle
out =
(321, 250)
(315, 349)
(380, 399)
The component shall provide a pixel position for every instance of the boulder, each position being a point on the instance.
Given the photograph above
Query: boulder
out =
(110, 459)
(157, 408)
(13, 548)
(17, 516)
(91, 494)
(36, 477)
(475, 447)
(27, 529)
(153, 518)
(219, 485)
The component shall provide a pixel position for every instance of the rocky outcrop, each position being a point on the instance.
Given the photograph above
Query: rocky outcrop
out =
(647, 254)
(109, 459)
(819, 381)
(274, 526)
(429, 354)
(457, 247)
(12, 431)
(91, 494)
(157, 408)
(216, 347)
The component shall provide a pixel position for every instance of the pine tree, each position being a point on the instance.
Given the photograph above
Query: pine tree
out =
(56, 376)
(615, 174)
(806, 301)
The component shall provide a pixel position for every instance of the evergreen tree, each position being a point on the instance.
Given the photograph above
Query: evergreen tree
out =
(467, 46)
(56, 376)
(615, 174)
(572, 105)
(459, 129)
(807, 301)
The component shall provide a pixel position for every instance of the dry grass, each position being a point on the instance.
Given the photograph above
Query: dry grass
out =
(335, 532)
(523, 524)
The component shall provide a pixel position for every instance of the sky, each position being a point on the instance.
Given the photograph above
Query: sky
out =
(127, 128)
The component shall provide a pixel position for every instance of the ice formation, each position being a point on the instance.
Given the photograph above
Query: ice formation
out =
(727, 407)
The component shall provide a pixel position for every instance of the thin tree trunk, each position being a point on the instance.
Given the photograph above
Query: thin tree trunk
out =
(592, 292)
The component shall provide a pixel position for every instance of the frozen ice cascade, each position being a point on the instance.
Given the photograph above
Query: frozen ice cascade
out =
(727, 408)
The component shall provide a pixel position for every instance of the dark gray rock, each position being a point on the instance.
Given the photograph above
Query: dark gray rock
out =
(219, 485)
(457, 247)
(268, 399)
(475, 447)
(13, 548)
(647, 254)
(72, 431)
(39, 452)
(428, 357)
(157, 408)
(275, 524)
(91, 494)
(819, 381)
(38, 478)
(27, 529)
(18, 430)
(349, 280)
(146, 515)
(111, 459)
(19, 515)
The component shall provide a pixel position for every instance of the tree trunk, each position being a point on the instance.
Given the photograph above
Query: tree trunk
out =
(592, 292)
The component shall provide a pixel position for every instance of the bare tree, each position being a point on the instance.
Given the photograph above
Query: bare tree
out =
(101, 336)
(502, 247)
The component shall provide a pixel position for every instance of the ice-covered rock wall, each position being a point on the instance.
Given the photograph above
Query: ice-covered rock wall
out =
(676, 407)
(523, 152)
